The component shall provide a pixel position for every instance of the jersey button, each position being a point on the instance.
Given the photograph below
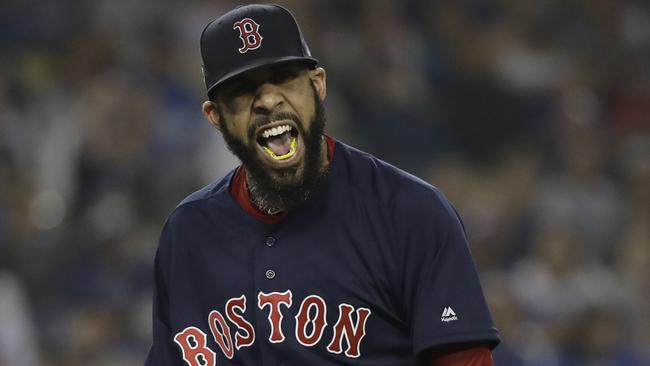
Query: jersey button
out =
(270, 241)
(270, 274)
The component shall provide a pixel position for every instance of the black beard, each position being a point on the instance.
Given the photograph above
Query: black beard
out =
(268, 194)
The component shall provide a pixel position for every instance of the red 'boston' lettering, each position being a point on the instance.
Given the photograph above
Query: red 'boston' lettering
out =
(273, 300)
(239, 303)
(353, 333)
(249, 34)
(318, 322)
(193, 345)
(221, 334)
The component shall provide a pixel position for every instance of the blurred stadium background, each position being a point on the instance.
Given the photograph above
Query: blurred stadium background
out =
(532, 116)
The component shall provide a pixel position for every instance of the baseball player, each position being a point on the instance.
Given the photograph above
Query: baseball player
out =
(311, 252)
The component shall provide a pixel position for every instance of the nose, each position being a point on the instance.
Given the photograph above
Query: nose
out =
(267, 99)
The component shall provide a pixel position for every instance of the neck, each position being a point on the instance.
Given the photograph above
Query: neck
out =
(268, 205)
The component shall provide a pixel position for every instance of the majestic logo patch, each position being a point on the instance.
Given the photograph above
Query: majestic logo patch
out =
(249, 34)
(448, 315)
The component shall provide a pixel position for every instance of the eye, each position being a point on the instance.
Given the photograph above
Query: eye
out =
(241, 89)
(238, 88)
(284, 75)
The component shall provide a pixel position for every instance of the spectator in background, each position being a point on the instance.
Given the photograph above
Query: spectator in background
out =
(580, 192)
(18, 341)
(597, 336)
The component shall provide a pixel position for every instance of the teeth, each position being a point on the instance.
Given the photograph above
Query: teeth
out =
(275, 131)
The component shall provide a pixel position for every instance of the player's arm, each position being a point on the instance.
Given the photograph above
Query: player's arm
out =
(460, 355)
(442, 295)
(163, 351)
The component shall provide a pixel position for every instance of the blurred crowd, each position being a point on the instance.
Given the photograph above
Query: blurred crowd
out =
(532, 116)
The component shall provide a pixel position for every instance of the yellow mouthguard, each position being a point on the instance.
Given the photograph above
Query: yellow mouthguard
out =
(292, 151)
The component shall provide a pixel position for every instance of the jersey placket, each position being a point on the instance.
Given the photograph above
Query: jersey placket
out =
(270, 299)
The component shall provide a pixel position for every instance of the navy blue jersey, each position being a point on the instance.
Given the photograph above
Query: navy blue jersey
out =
(372, 271)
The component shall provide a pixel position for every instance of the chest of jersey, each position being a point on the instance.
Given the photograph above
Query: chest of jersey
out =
(316, 289)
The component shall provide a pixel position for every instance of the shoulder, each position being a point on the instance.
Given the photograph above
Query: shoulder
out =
(201, 199)
(193, 217)
(395, 188)
(211, 190)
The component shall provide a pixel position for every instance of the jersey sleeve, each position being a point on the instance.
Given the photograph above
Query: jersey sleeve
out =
(440, 289)
(164, 351)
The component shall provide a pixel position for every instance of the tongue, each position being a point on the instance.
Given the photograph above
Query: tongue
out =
(280, 144)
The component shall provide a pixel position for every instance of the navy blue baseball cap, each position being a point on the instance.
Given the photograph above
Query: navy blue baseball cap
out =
(249, 37)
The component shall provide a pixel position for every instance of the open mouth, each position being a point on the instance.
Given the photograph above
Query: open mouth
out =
(279, 141)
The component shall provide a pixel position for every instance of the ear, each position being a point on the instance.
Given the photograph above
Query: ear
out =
(211, 114)
(318, 78)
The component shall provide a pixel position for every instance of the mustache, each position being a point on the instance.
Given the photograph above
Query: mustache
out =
(270, 118)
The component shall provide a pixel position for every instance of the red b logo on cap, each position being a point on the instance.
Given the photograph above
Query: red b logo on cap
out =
(249, 34)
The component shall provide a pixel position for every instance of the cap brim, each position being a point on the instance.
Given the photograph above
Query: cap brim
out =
(255, 65)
